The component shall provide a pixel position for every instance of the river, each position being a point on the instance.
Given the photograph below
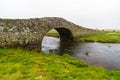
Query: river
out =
(101, 54)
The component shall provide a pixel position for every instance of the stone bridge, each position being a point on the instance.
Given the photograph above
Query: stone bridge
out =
(30, 32)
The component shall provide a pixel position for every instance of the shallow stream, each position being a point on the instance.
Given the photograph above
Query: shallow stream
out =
(102, 54)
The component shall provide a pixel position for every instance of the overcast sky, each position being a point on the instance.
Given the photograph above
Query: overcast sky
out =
(101, 14)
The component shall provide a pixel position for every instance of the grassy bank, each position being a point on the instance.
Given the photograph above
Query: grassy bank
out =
(53, 33)
(110, 37)
(18, 64)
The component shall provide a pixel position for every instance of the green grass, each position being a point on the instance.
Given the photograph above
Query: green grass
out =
(53, 33)
(111, 37)
(18, 64)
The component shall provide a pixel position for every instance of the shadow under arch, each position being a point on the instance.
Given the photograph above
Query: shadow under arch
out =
(65, 34)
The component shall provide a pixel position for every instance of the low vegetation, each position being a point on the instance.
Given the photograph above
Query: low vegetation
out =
(106, 37)
(18, 64)
(109, 37)
(53, 33)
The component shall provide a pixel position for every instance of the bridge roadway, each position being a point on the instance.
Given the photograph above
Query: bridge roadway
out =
(30, 32)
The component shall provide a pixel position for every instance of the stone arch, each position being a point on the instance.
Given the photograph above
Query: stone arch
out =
(30, 32)
(64, 33)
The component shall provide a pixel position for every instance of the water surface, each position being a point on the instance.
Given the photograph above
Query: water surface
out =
(101, 54)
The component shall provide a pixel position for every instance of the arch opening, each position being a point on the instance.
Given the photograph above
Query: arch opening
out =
(53, 39)
(50, 41)
(65, 34)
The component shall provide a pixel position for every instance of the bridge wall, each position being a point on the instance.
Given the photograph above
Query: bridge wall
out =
(25, 32)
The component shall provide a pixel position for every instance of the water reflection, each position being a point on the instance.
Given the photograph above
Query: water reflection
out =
(50, 44)
(101, 54)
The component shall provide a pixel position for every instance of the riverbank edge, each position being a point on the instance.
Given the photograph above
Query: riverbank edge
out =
(108, 37)
(19, 64)
(103, 37)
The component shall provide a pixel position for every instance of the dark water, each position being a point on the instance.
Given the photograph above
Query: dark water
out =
(101, 54)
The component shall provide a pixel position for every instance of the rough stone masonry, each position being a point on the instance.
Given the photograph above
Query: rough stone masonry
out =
(30, 32)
